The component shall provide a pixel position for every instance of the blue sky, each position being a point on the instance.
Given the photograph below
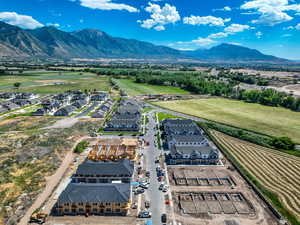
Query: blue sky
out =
(271, 26)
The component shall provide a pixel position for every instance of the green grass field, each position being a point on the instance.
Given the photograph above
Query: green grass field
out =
(42, 82)
(268, 120)
(132, 88)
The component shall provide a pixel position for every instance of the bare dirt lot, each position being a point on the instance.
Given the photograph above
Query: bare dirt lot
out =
(267, 74)
(220, 196)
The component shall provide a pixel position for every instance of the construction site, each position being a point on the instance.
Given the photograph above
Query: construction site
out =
(212, 195)
(114, 149)
(191, 177)
(204, 204)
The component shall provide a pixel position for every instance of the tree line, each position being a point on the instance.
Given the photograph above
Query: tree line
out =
(202, 84)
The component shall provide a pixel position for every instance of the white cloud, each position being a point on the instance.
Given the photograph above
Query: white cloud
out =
(160, 16)
(107, 5)
(194, 44)
(286, 35)
(271, 12)
(258, 34)
(81, 21)
(203, 41)
(218, 35)
(53, 24)
(236, 28)
(16, 19)
(205, 20)
(225, 8)
(297, 27)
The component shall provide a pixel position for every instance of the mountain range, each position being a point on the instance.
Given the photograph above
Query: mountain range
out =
(92, 43)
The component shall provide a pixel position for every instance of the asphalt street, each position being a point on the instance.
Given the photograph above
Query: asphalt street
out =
(155, 196)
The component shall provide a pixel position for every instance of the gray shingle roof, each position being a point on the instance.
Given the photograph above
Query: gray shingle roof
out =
(204, 150)
(95, 193)
(187, 138)
(124, 167)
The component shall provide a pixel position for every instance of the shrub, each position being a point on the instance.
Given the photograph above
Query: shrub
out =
(81, 146)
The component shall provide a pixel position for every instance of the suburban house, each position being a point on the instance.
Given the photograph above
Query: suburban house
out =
(8, 95)
(104, 172)
(99, 97)
(65, 111)
(98, 114)
(79, 103)
(39, 112)
(25, 95)
(187, 144)
(109, 199)
(10, 106)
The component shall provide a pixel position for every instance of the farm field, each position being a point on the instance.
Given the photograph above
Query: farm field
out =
(43, 82)
(276, 171)
(132, 88)
(264, 119)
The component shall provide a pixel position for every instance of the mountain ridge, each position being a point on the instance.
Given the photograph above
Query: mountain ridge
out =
(92, 43)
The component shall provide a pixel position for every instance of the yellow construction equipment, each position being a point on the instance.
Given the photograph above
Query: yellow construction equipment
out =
(39, 218)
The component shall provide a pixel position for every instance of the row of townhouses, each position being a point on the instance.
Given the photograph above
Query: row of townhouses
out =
(187, 143)
(99, 187)
(126, 118)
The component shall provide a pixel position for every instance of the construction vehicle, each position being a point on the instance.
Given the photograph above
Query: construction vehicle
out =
(38, 218)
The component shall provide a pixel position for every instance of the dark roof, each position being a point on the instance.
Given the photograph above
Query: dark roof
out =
(95, 193)
(187, 138)
(98, 114)
(204, 150)
(124, 167)
(178, 122)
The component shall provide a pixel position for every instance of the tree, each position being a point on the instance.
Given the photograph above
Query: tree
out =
(283, 143)
(17, 85)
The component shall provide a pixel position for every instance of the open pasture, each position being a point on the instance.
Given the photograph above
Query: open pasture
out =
(51, 82)
(132, 88)
(273, 121)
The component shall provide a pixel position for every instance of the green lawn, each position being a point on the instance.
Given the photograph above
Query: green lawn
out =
(132, 88)
(273, 121)
(42, 82)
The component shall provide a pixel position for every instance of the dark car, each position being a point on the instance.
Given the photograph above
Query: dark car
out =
(163, 218)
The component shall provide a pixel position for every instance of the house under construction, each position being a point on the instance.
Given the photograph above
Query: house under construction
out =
(114, 150)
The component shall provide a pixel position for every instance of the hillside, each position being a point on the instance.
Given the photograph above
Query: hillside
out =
(92, 43)
(230, 52)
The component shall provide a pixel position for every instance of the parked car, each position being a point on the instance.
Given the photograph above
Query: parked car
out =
(134, 205)
(139, 191)
(163, 218)
(148, 174)
(161, 186)
(144, 214)
(147, 204)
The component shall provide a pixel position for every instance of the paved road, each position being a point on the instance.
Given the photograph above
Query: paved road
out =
(155, 196)
(88, 110)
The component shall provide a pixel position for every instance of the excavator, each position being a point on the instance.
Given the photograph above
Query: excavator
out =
(38, 218)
